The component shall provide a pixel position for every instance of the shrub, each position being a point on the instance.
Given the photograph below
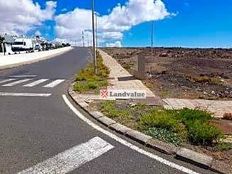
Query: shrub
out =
(189, 115)
(206, 79)
(202, 133)
(92, 85)
(164, 135)
(87, 80)
(163, 119)
(199, 130)
(80, 87)
(109, 109)
(224, 146)
(84, 86)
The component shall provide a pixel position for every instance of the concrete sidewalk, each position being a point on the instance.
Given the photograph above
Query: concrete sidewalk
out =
(10, 61)
(120, 79)
(217, 107)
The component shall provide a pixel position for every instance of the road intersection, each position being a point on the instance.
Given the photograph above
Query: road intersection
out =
(52, 135)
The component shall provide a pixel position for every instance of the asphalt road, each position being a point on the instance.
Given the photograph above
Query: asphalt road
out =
(34, 129)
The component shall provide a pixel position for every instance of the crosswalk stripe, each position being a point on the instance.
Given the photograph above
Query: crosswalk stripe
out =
(54, 83)
(37, 82)
(23, 76)
(24, 94)
(71, 159)
(16, 82)
(6, 80)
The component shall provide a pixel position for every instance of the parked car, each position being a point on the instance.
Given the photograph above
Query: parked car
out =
(38, 47)
(22, 44)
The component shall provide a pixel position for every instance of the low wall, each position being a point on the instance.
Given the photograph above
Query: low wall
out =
(9, 61)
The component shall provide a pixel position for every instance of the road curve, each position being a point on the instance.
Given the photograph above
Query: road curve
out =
(39, 131)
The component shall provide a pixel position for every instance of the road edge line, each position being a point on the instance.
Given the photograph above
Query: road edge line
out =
(124, 142)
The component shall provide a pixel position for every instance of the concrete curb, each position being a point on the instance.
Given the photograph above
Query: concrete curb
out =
(163, 147)
(35, 60)
(184, 154)
(138, 136)
(195, 157)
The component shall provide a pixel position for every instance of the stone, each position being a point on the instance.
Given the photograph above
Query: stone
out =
(138, 136)
(195, 157)
(96, 114)
(162, 146)
(120, 128)
(106, 121)
(221, 167)
(83, 104)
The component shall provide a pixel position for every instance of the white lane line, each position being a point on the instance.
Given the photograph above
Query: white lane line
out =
(24, 94)
(71, 159)
(23, 76)
(54, 83)
(125, 143)
(37, 82)
(6, 80)
(17, 82)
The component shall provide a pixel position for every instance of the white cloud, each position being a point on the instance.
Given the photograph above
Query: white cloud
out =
(37, 33)
(18, 17)
(114, 44)
(70, 25)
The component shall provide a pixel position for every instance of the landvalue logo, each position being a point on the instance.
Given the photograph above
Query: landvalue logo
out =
(122, 94)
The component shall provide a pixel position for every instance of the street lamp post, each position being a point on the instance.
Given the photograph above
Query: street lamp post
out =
(94, 43)
(152, 35)
(96, 31)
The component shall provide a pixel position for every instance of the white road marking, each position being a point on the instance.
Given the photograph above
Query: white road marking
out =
(6, 80)
(23, 76)
(37, 82)
(24, 94)
(54, 83)
(17, 82)
(71, 159)
(125, 143)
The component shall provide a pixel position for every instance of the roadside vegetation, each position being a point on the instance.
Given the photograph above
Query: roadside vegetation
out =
(179, 127)
(89, 82)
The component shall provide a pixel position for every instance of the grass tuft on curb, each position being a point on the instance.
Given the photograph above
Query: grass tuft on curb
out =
(88, 81)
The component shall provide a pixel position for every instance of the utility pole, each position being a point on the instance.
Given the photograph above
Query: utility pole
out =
(83, 38)
(96, 32)
(152, 35)
(94, 43)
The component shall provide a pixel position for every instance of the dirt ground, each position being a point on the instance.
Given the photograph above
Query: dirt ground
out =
(182, 72)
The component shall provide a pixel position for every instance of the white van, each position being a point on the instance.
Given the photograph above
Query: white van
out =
(22, 44)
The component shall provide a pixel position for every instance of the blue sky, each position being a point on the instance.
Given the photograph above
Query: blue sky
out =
(202, 23)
